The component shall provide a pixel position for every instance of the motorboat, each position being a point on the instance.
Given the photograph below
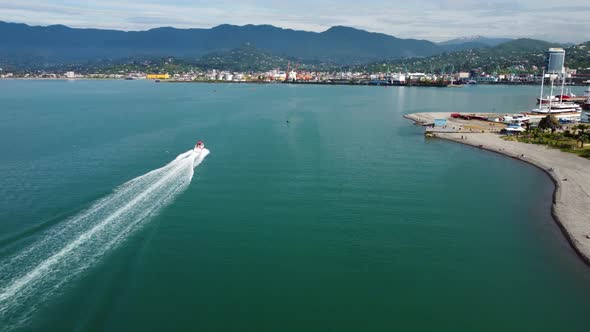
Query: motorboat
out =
(199, 146)
(518, 119)
(566, 120)
(514, 129)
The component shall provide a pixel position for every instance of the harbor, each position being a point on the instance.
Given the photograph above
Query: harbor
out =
(294, 166)
(565, 163)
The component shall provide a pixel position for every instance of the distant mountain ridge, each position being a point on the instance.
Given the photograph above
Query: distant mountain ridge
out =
(513, 56)
(476, 40)
(24, 47)
(339, 44)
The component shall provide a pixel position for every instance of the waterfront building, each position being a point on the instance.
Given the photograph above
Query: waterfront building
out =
(280, 76)
(555, 61)
(158, 76)
(292, 77)
(487, 79)
(417, 76)
(398, 78)
(464, 75)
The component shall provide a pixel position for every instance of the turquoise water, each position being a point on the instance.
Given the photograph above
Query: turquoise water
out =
(343, 219)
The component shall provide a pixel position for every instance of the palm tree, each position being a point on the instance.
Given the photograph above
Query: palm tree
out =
(582, 134)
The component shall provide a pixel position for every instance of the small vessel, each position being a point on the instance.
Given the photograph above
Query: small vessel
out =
(567, 120)
(566, 96)
(547, 100)
(517, 119)
(569, 96)
(514, 129)
(199, 146)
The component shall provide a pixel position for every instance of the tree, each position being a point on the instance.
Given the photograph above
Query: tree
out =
(549, 122)
(527, 126)
(582, 134)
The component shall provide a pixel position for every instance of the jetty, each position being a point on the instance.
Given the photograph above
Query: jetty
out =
(456, 122)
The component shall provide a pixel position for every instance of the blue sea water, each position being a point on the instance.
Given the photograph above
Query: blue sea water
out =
(319, 208)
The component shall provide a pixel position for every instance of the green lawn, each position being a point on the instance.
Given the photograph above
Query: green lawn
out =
(558, 140)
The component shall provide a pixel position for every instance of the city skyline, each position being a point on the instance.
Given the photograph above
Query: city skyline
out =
(426, 19)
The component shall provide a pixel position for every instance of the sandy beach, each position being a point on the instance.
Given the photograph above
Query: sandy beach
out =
(570, 173)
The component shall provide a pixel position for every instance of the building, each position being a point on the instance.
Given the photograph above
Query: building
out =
(417, 76)
(398, 78)
(70, 74)
(292, 76)
(279, 76)
(158, 76)
(486, 79)
(555, 61)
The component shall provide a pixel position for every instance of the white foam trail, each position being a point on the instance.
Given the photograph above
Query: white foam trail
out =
(37, 272)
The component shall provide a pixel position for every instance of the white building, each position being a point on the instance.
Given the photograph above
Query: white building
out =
(280, 76)
(487, 79)
(398, 78)
(417, 76)
(463, 75)
(292, 76)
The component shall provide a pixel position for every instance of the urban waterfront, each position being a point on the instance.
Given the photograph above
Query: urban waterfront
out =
(319, 208)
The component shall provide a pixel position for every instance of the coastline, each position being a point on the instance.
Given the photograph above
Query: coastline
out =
(570, 174)
(337, 83)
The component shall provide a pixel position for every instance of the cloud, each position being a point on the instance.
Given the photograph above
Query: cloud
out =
(422, 19)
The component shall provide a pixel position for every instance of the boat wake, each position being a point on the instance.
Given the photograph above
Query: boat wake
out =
(31, 276)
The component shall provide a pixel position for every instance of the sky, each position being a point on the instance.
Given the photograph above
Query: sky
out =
(435, 20)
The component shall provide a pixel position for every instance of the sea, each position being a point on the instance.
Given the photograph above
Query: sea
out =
(317, 208)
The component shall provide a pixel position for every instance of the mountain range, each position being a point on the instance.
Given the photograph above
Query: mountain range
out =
(58, 44)
(475, 40)
(519, 55)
